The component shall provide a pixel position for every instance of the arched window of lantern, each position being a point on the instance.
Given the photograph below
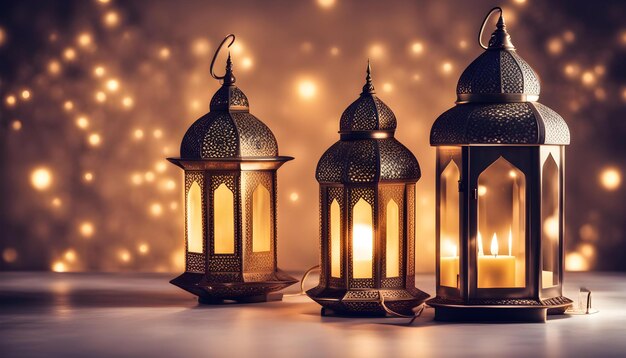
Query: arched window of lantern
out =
(550, 222)
(194, 219)
(501, 236)
(334, 224)
(261, 219)
(449, 225)
(392, 239)
(223, 220)
(362, 239)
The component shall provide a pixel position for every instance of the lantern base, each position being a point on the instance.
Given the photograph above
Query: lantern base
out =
(242, 292)
(505, 310)
(366, 302)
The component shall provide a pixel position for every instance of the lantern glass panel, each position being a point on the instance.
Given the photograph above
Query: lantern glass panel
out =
(550, 218)
(261, 224)
(501, 238)
(335, 239)
(223, 220)
(392, 239)
(194, 219)
(362, 240)
(449, 225)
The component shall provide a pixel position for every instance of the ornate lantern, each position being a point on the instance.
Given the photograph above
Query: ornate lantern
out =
(230, 159)
(367, 193)
(500, 165)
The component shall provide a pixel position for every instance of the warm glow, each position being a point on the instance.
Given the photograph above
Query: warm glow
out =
(157, 133)
(111, 19)
(59, 266)
(84, 39)
(200, 47)
(10, 100)
(86, 229)
(69, 54)
(387, 87)
(99, 71)
(307, 89)
(143, 248)
(164, 53)
(588, 78)
(326, 4)
(555, 46)
(481, 251)
(376, 51)
(335, 239)
(16, 125)
(25, 94)
(160, 166)
(82, 122)
(610, 178)
(138, 133)
(100, 96)
(362, 240)
(94, 139)
(223, 220)
(68, 105)
(261, 219)
(9, 255)
(70, 255)
(149, 176)
(156, 209)
(124, 255)
(392, 239)
(54, 67)
(417, 48)
(113, 85)
(246, 63)
(446, 67)
(41, 178)
(195, 235)
(88, 176)
(494, 245)
(551, 227)
(334, 51)
(574, 261)
(482, 190)
(56, 202)
(294, 197)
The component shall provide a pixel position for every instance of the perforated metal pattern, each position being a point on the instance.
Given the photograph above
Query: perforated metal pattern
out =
(511, 123)
(367, 160)
(511, 78)
(335, 193)
(482, 75)
(228, 96)
(502, 123)
(368, 112)
(531, 80)
(498, 71)
(255, 138)
(397, 161)
(362, 162)
(555, 128)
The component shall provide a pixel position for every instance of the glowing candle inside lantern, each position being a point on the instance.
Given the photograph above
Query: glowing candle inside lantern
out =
(496, 270)
(449, 265)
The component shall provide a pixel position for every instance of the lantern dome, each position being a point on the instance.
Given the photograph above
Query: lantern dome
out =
(367, 151)
(497, 102)
(229, 130)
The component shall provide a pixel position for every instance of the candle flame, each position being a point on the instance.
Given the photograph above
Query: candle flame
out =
(494, 245)
(480, 245)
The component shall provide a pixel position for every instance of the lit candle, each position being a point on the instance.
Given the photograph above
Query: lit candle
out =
(449, 265)
(362, 250)
(496, 270)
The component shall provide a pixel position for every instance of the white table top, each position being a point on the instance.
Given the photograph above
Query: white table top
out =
(99, 314)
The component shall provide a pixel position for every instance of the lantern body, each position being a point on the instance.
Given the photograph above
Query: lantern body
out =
(367, 216)
(230, 159)
(500, 178)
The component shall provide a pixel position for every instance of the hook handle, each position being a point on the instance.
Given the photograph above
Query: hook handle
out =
(230, 36)
(482, 28)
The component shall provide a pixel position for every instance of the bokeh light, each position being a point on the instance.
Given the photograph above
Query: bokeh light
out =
(307, 89)
(611, 178)
(41, 178)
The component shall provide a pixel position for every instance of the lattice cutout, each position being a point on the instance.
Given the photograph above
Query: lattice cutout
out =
(195, 262)
(258, 262)
(555, 128)
(224, 262)
(255, 138)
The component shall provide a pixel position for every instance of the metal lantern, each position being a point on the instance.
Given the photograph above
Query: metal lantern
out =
(367, 194)
(230, 159)
(500, 175)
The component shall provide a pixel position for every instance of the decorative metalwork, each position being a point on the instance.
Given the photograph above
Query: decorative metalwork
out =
(497, 109)
(369, 164)
(230, 146)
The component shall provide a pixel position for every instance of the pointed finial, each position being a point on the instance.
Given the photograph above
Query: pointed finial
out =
(229, 77)
(369, 86)
(500, 38)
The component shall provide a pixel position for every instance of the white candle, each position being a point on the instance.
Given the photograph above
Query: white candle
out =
(496, 270)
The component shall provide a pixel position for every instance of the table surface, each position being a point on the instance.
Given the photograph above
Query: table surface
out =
(106, 314)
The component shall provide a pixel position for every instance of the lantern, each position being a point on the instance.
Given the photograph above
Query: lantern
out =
(500, 175)
(230, 159)
(367, 195)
